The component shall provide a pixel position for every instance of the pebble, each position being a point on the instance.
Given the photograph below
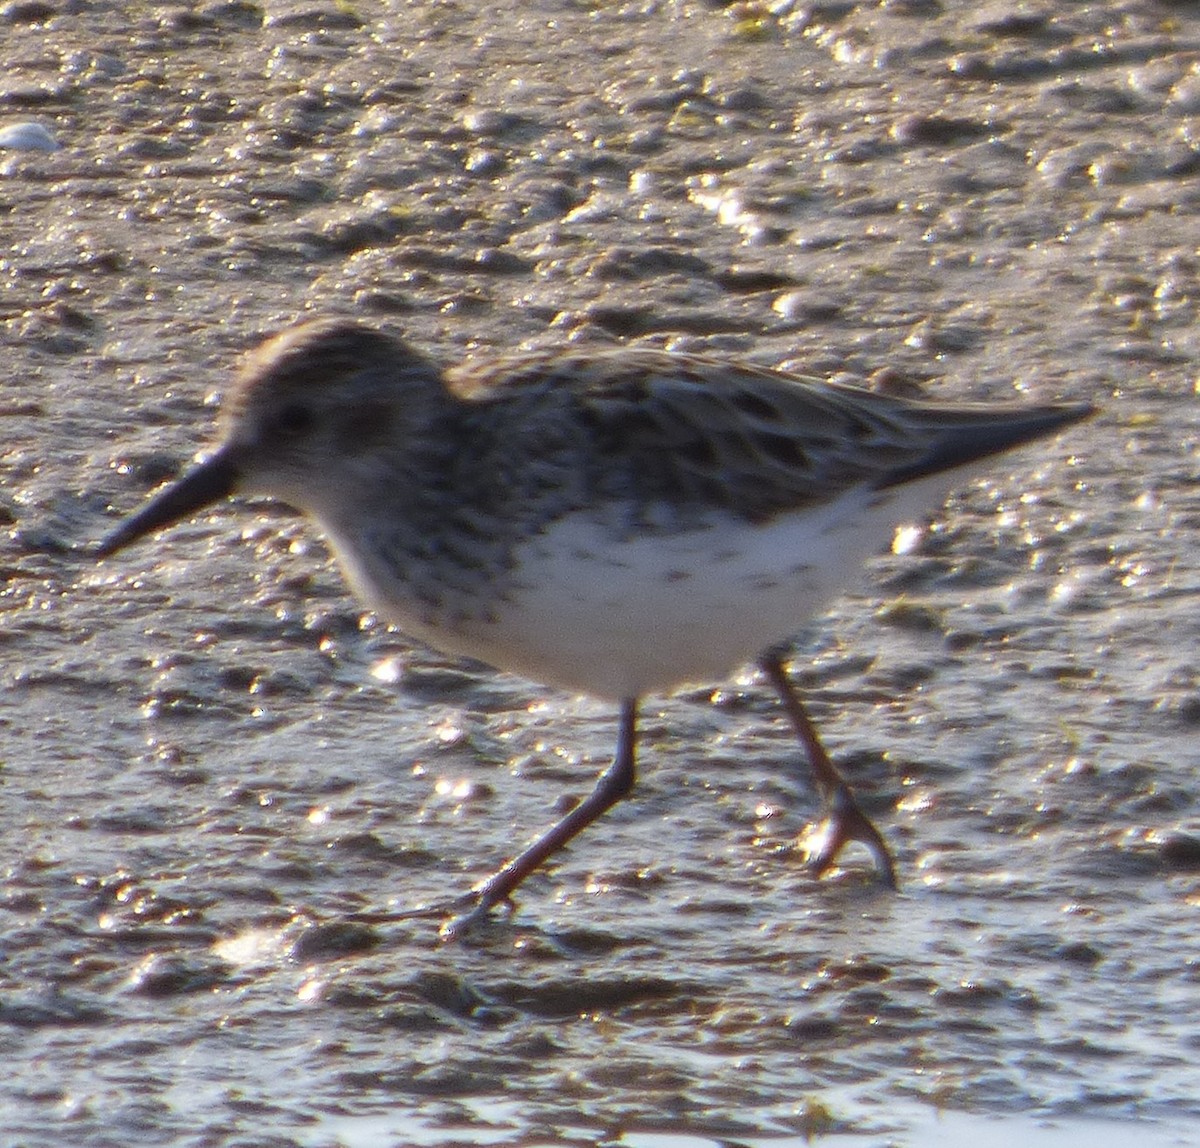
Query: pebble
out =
(1180, 851)
(27, 137)
(940, 130)
(808, 306)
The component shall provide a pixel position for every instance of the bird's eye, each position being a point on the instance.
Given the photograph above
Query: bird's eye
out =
(293, 420)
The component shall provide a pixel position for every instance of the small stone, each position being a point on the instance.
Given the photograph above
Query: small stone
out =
(1180, 850)
(807, 306)
(941, 130)
(337, 939)
(27, 12)
(1017, 23)
(489, 122)
(27, 137)
(485, 161)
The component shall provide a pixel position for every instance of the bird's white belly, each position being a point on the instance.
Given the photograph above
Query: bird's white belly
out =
(623, 616)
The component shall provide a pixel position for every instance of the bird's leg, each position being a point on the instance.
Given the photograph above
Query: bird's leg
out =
(846, 821)
(615, 782)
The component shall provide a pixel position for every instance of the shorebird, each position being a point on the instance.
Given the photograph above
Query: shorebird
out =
(617, 522)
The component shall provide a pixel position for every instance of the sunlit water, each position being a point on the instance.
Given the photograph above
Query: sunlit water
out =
(219, 778)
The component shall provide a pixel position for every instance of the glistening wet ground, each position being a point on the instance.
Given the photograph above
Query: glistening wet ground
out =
(214, 765)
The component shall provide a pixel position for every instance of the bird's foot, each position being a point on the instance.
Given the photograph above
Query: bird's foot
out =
(847, 822)
(460, 914)
(478, 904)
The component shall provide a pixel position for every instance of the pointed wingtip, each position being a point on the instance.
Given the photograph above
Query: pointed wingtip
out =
(980, 438)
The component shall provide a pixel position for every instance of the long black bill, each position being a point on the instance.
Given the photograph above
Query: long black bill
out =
(206, 483)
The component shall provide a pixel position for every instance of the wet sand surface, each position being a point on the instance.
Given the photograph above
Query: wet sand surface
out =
(219, 775)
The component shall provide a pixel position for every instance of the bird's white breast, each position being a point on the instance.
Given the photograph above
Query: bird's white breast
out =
(620, 615)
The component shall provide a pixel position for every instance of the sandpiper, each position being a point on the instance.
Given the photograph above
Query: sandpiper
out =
(616, 522)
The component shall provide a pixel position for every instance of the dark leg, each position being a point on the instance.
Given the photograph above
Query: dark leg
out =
(615, 782)
(846, 821)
